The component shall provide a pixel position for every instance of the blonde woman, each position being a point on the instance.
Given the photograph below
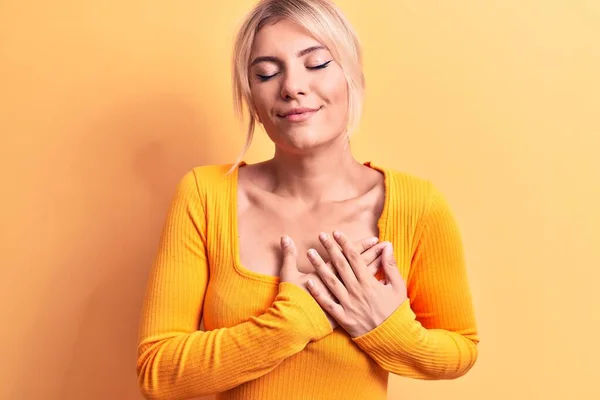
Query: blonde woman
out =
(315, 275)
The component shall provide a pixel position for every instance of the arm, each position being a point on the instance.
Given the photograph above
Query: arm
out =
(434, 334)
(175, 359)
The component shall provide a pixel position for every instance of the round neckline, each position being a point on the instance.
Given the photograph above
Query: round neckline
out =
(234, 222)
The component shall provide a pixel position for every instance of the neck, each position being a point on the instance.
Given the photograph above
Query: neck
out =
(324, 175)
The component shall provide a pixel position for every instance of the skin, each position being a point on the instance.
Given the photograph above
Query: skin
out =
(313, 178)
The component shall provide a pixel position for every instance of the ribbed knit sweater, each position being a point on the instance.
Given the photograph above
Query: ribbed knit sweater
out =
(265, 339)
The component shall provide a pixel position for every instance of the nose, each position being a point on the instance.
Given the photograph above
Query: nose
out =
(294, 85)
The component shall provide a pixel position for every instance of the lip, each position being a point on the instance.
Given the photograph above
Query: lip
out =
(298, 114)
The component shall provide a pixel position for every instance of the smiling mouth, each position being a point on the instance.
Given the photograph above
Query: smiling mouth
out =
(299, 115)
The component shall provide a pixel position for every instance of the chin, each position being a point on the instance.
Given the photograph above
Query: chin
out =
(300, 146)
(303, 141)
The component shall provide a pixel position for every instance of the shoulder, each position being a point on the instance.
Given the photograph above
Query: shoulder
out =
(203, 181)
(212, 173)
(403, 183)
(207, 176)
(409, 192)
(406, 180)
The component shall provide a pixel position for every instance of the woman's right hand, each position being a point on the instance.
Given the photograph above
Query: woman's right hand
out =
(371, 252)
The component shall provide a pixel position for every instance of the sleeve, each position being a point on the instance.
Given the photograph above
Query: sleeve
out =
(433, 335)
(176, 360)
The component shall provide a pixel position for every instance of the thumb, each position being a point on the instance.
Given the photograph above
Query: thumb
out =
(290, 258)
(390, 267)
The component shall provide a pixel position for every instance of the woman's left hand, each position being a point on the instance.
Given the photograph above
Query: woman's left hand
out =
(364, 302)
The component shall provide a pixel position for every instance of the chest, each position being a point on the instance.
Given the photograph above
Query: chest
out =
(260, 227)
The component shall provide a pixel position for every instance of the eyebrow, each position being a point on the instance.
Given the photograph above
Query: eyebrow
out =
(277, 60)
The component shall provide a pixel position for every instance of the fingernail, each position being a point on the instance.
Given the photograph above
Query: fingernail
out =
(374, 240)
(323, 236)
(312, 253)
(285, 241)
(311, 283)
(337, 235)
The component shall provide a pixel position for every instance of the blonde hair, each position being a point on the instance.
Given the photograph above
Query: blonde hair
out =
(323, 20)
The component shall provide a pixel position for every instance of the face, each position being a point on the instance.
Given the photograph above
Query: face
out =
(299, 92)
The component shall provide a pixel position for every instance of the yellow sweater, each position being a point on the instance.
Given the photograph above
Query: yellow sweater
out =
(268, 340)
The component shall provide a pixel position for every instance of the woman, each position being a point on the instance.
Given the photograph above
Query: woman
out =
(242, 243)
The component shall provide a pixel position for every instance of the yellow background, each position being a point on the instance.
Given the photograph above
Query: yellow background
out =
(105, 104)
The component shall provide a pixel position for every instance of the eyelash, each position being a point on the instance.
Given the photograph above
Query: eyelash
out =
(264, 78)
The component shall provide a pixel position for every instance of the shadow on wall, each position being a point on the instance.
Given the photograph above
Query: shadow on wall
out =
(122, 171)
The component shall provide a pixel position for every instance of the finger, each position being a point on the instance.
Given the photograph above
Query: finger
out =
(326, 302)
(353, 257)
(374, 266)
(339, 261)
(365, 244)
(390, 267)
(320, 286)
(290, 258)
(331, 281)
(374, 253)
(371, 250)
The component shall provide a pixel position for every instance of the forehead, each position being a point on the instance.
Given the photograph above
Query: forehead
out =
(282, 37)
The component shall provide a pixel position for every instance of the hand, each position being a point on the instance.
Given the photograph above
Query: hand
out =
(363, 302)
(370, 252)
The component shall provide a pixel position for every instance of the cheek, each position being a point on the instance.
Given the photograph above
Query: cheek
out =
(259, 102)
(336, 91)
(337, 97)
(257, 99)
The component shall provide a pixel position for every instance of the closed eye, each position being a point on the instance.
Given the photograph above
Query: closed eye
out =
(264, 78)
(324, 65)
